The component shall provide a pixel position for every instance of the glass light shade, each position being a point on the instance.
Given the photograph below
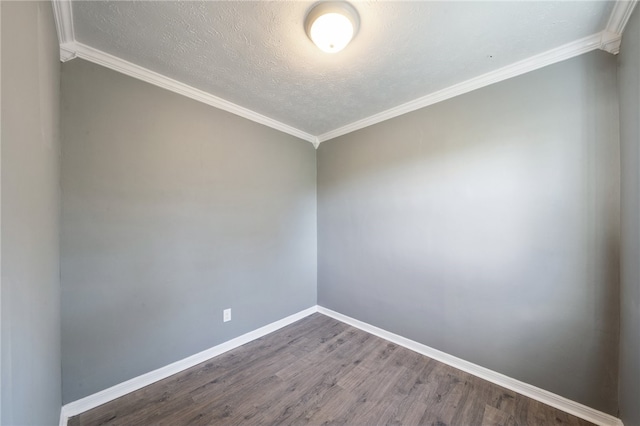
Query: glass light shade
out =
(331, 32)
(332, 25)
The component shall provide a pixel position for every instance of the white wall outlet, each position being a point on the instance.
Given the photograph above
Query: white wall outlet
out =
(226, 315)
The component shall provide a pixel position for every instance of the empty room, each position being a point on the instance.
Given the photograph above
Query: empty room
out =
(320, 212)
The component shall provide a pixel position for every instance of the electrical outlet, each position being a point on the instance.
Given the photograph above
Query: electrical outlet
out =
(226, 315)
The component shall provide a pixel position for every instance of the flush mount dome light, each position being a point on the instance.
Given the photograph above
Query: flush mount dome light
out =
(332, 25)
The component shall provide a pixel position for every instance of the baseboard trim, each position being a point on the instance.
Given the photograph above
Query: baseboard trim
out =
(546, 397)
(87, 403)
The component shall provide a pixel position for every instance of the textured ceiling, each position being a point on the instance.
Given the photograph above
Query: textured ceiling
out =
(257, 55)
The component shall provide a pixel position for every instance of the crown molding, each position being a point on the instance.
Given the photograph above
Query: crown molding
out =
(63, 14)
(106, 60)
(70, 48)
(608, 40)
(549, 57)
(316, 142)
(620, 15)
(612, 34)
(67, 51)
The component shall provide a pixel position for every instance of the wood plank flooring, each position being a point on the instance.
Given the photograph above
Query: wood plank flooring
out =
(321, 371)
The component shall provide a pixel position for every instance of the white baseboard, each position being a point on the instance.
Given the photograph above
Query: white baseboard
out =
(546, 397)
(87, 403)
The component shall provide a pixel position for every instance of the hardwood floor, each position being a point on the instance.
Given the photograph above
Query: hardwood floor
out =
(321, 371)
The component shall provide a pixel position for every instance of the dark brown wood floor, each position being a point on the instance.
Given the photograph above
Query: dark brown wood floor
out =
(321, 371)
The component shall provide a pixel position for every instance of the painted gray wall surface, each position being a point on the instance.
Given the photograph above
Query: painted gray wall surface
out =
(171, 212)
(487, 226)
(30, 215)
(629, 92)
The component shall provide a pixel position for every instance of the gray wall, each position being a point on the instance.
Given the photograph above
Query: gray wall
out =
(629, 92)
(30, 215)
(173, 211)
(487, 226)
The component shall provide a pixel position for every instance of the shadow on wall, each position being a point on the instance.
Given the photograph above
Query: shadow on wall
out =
(487, 226)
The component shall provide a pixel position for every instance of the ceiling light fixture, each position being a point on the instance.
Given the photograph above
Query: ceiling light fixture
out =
(332, 25)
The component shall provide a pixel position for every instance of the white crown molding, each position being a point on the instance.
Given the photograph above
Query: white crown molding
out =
(608, 40)
(104, 396)
(546, 397)
(70, 48)
(549, 57)
(620, 15)
(316, 142)
(63, 15)
(612, 34)
(67, 51)
(99, 57)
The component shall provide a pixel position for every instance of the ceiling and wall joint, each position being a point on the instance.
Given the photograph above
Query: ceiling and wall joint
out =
(608, 40)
